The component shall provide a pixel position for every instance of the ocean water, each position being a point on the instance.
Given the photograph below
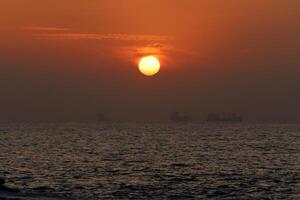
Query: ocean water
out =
(152, 161)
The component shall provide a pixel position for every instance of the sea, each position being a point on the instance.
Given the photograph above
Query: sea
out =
(150, 161)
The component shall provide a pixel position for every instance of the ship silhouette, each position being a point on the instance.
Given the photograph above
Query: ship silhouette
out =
(178, 118)
(216, 117)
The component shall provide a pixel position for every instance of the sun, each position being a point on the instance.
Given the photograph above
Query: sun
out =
(149, 65)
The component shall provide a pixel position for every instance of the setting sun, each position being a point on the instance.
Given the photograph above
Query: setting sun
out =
(149, 65)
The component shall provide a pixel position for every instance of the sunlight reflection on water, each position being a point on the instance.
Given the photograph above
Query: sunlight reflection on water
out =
(153, 161)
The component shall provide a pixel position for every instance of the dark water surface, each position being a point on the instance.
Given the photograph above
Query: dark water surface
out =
(153, 161)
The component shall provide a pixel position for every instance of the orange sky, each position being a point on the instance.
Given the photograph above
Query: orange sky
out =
(215, 54)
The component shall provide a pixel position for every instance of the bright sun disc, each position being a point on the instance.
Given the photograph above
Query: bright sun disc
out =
(149, 65)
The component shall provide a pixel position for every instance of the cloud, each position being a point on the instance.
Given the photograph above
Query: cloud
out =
(138, 44)
(159, 49)
(91, 36)
(44, 28)
(59, 33)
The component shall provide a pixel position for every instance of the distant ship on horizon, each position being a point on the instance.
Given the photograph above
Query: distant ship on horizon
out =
(216, 117)
(178, 118)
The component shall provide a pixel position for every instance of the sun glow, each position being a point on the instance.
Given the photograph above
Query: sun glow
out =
(149, 65)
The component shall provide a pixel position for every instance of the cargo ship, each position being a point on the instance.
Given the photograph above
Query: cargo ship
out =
(178, 118)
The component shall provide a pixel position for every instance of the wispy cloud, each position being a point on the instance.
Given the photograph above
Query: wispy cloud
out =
(61, 33)
(135, 45)
(44, 28)
(159, 49)
(91, 36)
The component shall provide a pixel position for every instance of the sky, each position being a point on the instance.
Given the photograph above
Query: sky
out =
(64, 60)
